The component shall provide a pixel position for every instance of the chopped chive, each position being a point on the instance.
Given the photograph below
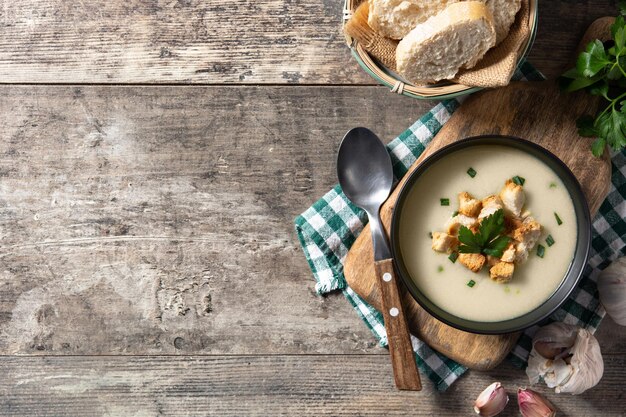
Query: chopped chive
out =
(507, 289)
(445, 201)
(455, 213)
(550, 240)
(430, 235)
(518, 180)
(541, 250)
(471, 283)
(558, 219)
(517, 291)
(553, 185)
(453, 257)
(471, 172)
(440, 268)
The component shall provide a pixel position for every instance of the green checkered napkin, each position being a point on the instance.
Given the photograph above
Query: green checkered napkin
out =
(328, 229)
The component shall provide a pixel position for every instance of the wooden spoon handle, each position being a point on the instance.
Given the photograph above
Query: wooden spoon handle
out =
(400, 348)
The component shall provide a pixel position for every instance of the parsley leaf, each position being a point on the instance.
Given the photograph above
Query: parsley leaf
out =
(601, 71)
(488, 240)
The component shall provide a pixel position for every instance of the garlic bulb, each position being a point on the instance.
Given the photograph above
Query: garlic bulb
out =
(612, 288)
(533, 404)
(491, 401)
(566, 357)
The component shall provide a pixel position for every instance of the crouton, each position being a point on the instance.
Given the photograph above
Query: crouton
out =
(490, 204)
(443, 242)
(502, 272)
(509, 253)
(510, 224)
(472, 261)
(513, 197)
(492, 260)
(454, 224)
(526, 236)
(468, 205)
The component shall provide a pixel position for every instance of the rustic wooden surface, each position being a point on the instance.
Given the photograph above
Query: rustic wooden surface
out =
(149, 262)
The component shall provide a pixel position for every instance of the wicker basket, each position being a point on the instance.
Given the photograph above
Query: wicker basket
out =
(399, 85)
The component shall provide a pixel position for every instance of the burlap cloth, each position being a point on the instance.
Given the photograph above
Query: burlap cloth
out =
(494, 70)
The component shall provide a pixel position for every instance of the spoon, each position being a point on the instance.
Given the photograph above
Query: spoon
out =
(366, 177)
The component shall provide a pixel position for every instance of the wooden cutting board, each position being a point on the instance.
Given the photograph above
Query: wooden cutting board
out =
(536, 111)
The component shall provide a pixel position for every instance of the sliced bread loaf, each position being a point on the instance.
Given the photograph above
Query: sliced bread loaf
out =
(456, 38)
(395, 18)
(503, 12)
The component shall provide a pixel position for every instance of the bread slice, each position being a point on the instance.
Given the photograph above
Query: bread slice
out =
(456, 38)
(396, 18)
(503, 12)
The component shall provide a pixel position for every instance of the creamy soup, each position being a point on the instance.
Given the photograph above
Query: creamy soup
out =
(446, 283)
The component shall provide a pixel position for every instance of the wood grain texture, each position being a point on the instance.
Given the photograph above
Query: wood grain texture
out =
(311, 385)
(401, 353)
(160, 220)
(194, 41)
(532, 112)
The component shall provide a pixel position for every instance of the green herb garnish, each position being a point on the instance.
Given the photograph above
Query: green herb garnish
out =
(430, 235)
(553, 185)
(440, 268)
(489, 238)
(601, 71)
(507, 289)
(541, 250)
(550, 240)
(453, 257)
(471, 283)
(558, 219)
(445, 201)
(455, 213)
(518, 180)
(471, 172)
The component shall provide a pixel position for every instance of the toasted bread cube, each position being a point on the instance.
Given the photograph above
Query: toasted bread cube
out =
(502, 272)
(443, 242)
(490, 204)
(468, 205)
(513, 197)
(509, 253)
(526, 236)
(454, 224)
(492, 260)
(472, 261)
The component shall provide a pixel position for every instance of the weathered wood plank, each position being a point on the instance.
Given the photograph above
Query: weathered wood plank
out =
(326, 385)
(192, 41)
(160, 220)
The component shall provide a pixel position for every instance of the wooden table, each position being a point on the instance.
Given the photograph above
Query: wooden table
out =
(153, 155)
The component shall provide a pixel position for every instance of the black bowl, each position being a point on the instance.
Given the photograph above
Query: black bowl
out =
(574, 273)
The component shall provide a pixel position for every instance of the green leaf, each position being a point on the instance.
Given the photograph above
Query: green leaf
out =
(469, 243)
(600, 89)
(497, 246)
(598, 147)
(621, 4)
(614, 73)
(586, 127)
(593, 60)
(616, 26)
(570, 84)
(619, 38)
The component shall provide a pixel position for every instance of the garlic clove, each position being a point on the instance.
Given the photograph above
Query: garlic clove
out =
(612, 289)
(491, 401)
(533, 404)
(577, 363)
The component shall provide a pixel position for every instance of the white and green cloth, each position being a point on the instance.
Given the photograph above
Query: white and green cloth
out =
(330, 226)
